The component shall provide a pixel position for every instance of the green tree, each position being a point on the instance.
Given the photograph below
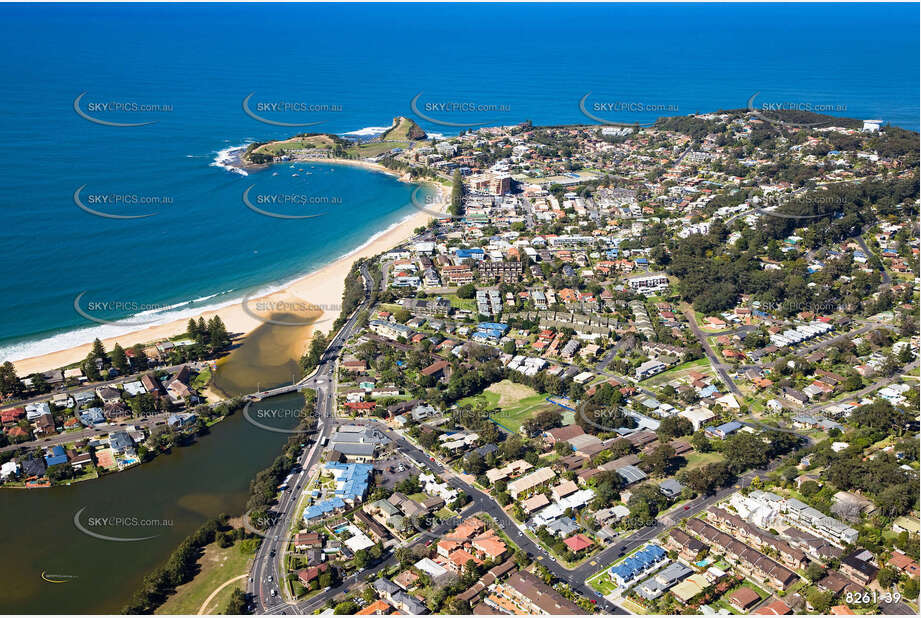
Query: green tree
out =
(814, 572)
(887, 576)
(237, 603)
(217, 333)
(910, 588)
(457, 194)
(119, 359)
(99, 350)
(10, 384)
(468, 290)
(346, 608)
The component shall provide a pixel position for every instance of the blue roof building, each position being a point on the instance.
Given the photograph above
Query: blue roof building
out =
(58, 456)
(637, 565)
(493, 326)
(708, 390)
(351, 479)
(321, 509)
(724, 430)
(475, 254)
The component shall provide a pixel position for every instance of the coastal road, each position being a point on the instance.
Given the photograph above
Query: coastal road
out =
(270, 554)
(94, 385)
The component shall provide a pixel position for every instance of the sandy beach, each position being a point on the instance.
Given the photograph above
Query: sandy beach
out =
(322, 288)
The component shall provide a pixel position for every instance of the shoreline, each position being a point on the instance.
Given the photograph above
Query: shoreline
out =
(321, 288)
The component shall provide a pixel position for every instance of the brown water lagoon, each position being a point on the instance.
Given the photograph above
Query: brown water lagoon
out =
(86, 548)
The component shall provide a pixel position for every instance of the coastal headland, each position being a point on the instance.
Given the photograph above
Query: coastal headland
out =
(318, 291)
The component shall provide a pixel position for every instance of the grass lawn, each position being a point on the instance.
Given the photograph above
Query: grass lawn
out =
(601, 582)
(295, 143)
(701, 365)
(513, 403)
(485, 400)
(202, 379)
(461, 303)
(418, 497)
(696, 459)
(88, 473)
(632, 606)
(514, 416)
(217, 566)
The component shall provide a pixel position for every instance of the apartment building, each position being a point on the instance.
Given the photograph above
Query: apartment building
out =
(748, 560)
(800, 514)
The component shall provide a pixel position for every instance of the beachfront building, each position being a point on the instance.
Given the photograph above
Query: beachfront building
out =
(390, 330)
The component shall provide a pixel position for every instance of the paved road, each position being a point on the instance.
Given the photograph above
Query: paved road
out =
(94, 385)
(719, 367)
(577, 576)
(867, 389)
(72, 436)
(323, 380)
(885, 279)
(896, 609)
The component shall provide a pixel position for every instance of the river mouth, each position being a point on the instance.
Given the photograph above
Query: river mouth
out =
(268, 356)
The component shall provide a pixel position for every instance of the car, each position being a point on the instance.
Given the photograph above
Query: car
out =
(686, 507)
(269, 578)
(274, 592)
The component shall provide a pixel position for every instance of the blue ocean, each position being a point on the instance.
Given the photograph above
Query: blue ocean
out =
(181, 73)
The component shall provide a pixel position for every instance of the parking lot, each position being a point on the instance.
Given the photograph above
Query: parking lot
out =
(392, 470)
